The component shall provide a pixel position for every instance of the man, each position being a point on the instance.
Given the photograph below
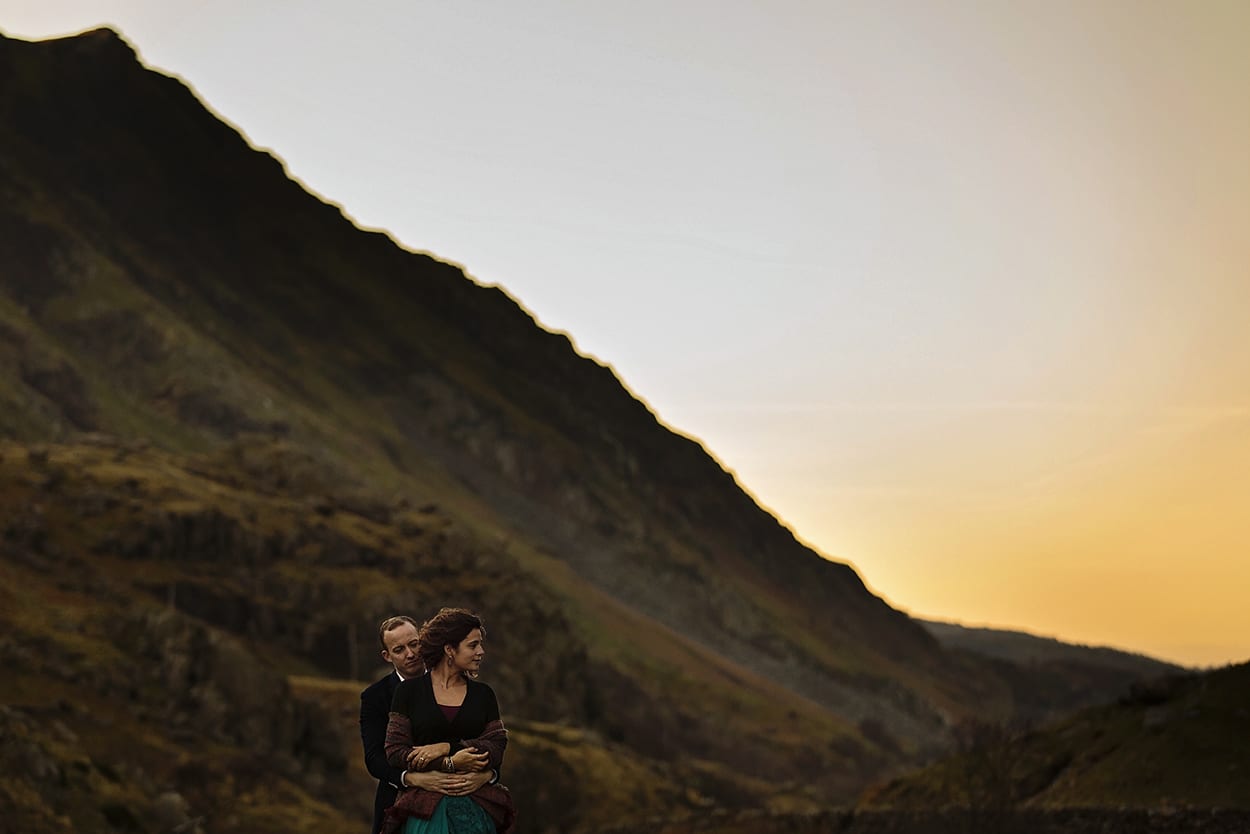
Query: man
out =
(400, 648)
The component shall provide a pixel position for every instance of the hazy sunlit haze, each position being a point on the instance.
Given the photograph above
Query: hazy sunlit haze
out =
(959, 290)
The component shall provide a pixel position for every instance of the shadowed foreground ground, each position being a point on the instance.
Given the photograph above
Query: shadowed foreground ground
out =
(1066, 821)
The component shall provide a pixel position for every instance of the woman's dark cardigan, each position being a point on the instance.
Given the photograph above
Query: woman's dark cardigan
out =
(417, 719)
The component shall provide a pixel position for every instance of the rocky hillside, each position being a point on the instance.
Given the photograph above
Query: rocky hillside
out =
(180, 641)
(239, 425)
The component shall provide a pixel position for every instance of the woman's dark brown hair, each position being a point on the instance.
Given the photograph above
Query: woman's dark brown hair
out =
(448, 627)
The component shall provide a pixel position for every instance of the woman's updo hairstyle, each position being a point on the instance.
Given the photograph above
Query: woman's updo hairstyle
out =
(448, 627)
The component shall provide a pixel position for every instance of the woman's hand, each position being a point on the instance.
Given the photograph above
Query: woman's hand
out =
(419, 758)
(470, 760)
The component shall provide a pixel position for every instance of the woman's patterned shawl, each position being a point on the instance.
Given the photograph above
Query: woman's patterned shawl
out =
(494, 799)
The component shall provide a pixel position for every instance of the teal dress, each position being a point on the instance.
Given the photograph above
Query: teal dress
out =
(454, 815)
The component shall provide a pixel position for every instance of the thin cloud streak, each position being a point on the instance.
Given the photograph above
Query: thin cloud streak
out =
(1195, 416)
(905, 407)
(1188, 419)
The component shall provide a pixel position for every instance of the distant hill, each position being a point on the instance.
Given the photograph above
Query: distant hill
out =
(1027, 649)
(240, 431)
(1049, 677)
(1176, 742)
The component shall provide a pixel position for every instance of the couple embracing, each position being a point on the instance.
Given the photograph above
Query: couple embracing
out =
(431, 732)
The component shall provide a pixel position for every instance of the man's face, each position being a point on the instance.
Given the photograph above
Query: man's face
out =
(402, 650)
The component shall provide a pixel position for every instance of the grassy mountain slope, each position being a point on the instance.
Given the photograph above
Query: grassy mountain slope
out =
(166, 281)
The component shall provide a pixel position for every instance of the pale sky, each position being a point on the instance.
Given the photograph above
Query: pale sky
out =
(960, 290)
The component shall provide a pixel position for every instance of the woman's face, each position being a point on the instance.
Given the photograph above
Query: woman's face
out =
(468, 655)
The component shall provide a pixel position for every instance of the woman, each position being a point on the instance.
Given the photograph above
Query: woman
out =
(447, 720)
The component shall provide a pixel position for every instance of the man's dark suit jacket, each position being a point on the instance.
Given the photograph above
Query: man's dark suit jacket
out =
(375, 710)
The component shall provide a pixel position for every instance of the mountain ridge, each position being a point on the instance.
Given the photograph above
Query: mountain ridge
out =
(1022, 645)
(489, 328)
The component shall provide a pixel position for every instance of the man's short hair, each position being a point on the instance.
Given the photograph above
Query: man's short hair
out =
(392, 623)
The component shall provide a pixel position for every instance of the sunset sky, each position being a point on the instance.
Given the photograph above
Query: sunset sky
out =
(960, 290)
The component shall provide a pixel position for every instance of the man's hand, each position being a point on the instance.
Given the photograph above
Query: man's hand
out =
(451, 784)
(471, 782)
(470, 760)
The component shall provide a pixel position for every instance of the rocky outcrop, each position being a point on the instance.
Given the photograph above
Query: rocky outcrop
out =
(152, 721)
